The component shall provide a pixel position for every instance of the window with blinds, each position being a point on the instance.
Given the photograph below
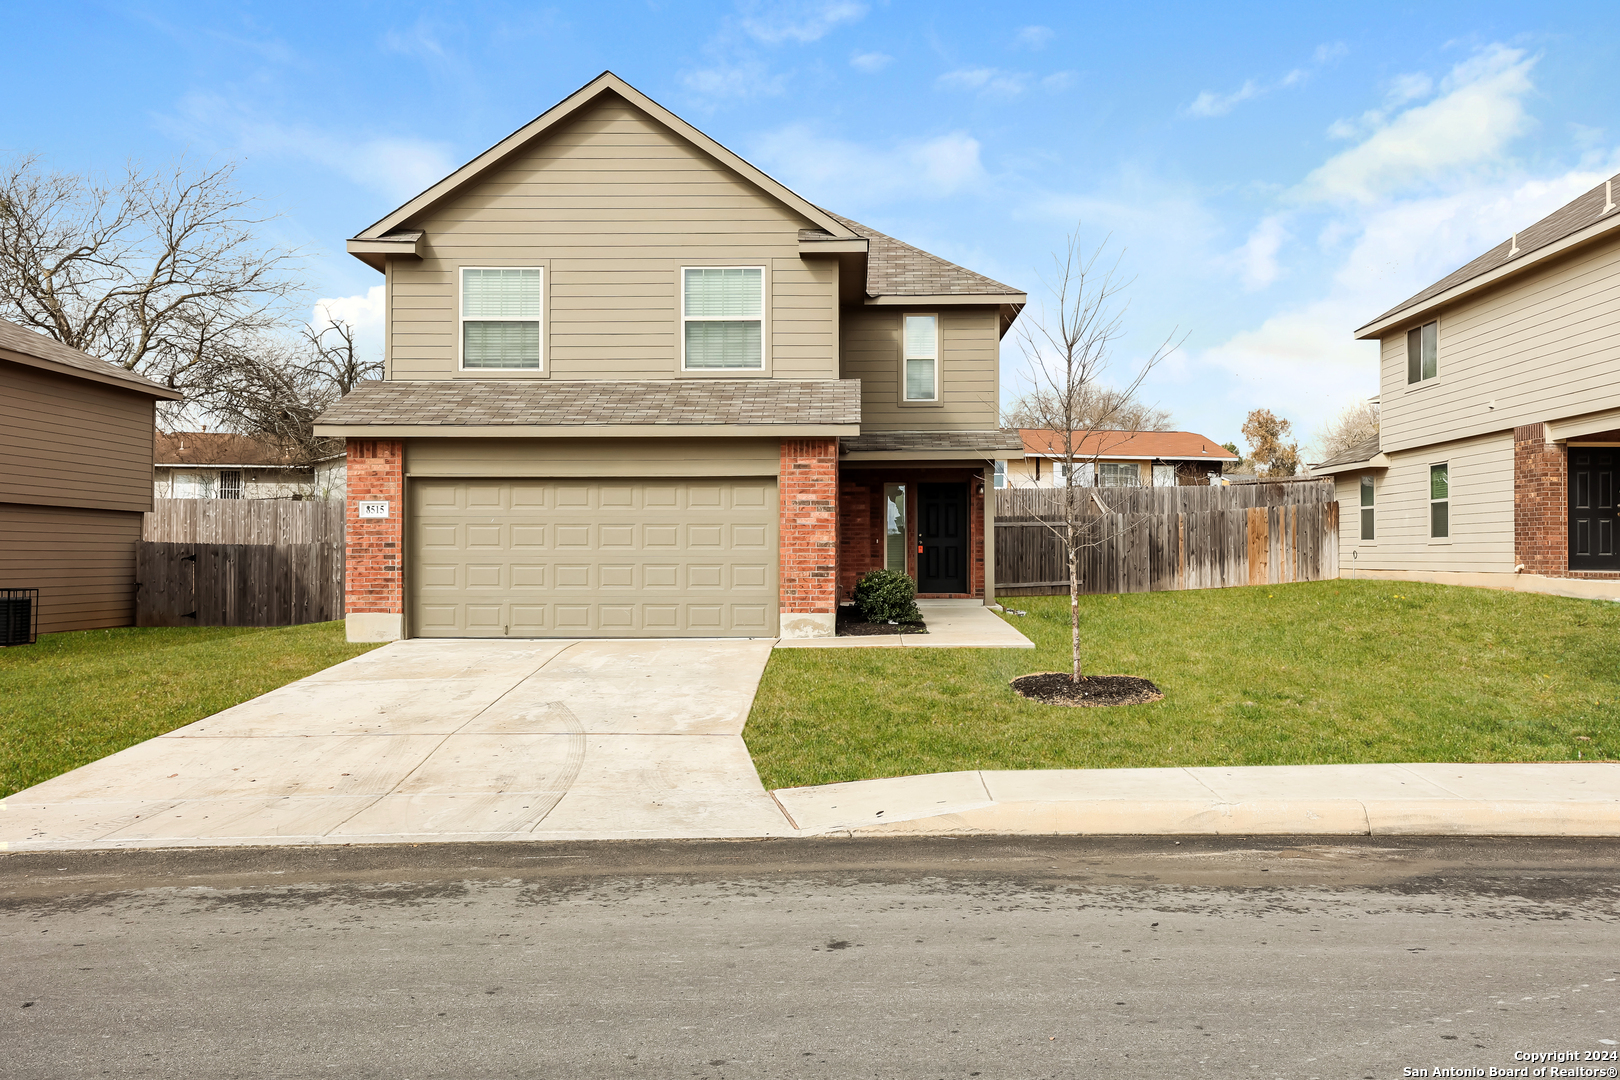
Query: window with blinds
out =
(921, 343)
(722, 318)
(500, 317)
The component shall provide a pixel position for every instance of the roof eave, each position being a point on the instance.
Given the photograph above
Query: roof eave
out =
(947, 299)
(582, 431)
(1377, 461)
(150, 389)
(1595, 231)
(374, 251)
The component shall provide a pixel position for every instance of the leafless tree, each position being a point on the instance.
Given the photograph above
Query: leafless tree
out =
(160, 272)
(1068, 347)
(1355, 425)
(1125, 413)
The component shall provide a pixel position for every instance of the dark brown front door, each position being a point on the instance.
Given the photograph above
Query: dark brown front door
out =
(942, 538)
(1592, 524)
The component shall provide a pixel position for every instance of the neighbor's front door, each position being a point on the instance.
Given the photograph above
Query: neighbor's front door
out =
(1593, 543)
(942, 538)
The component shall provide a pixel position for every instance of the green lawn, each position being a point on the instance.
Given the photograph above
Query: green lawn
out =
(1332, 671)
(69, 699)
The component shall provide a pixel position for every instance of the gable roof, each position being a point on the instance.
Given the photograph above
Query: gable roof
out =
(1365, 450)
(224, 448)
(1140, 445)
(23, 346)
(1594, 213)
(605, 83)
(895, 268)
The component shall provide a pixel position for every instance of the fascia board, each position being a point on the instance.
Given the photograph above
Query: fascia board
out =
(859, 246)
(946, 299)
(1594, 231)
(930, 455)
(581, 431)
(46, 364)
(1590, 424)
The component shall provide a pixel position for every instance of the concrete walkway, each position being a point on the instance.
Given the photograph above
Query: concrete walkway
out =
(952, 624)
(439, 740)
(1542, 799)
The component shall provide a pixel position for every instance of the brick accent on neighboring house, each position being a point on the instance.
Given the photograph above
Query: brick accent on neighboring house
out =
(808, 490)
(374, 574)
(1540, 511)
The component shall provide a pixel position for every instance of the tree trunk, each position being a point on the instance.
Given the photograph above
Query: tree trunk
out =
(1074, 598)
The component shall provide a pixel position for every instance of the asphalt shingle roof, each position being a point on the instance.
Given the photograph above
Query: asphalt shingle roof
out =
(597, 403)
(986, 441)
(1361, 451)
(20, 339)
(894, 268)
(1164, 445)
(1567, 219)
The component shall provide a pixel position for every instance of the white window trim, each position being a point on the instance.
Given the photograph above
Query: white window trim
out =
(461, 320)
(1362, 540)
(1406, 356)
(939, 364)
(1428, 489)
(682, 319)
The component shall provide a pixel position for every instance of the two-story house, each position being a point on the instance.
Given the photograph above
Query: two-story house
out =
(634, 386)
(1499, 434)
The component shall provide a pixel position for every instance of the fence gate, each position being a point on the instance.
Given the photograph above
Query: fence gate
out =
(237, 584)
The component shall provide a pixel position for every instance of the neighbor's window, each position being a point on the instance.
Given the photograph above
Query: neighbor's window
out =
(1001, 474)
(1164, 476)
(230, 483)
(894, 527)
(722, 318)
(1423, 352)
(1113, 474)
(922, 357)
(1367, 508)
(500, 317)
(1439, 501)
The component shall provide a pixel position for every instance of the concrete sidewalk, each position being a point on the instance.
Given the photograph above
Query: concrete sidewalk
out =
(1540, 799)
(952, 624)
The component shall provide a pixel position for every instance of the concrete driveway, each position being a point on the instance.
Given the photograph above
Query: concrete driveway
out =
(440, 740)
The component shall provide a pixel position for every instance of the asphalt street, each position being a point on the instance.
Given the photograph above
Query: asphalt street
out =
(1070, 957)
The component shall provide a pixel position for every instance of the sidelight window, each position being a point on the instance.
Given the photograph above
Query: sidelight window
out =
(894, 527)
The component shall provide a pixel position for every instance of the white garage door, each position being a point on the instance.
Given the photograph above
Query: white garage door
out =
(607, 558)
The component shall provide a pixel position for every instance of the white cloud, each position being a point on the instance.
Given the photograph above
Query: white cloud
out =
(988, 82)
(1257, 259)
(735, 79)
(801, 23)
(1208, 103)
(870, 62)
(1058, 80)
(363, 313)
(838, 172)
(394, 165)
(1034, 37)
(1480, 111)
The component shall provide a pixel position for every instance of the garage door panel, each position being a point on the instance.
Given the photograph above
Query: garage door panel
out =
(612, 558)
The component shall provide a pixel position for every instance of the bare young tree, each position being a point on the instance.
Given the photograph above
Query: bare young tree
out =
(161, 272)
(1068, 347)
(1352, 427)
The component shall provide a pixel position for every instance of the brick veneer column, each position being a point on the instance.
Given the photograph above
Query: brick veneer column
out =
(1540, 513)
(373, 575)
(808, 537)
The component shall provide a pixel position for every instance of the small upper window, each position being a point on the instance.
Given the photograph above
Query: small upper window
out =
(1367, 522)
(1423, 352)
(922, 357)
(500, 317)
(722, 318)
(1439, 501)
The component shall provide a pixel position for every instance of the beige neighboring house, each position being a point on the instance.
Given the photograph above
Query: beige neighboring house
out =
(1499, 436)
(221, 465)
(635, 387)
(1118, 459)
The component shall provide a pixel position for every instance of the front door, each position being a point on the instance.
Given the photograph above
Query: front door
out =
(942, 538)
(1592, 524)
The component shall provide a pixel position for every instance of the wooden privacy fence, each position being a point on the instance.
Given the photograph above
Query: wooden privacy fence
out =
(1150, 545)
(191, 584)
(245, 521)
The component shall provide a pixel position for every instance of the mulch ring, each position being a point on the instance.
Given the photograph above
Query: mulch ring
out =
(854, 626)
(1055, 688)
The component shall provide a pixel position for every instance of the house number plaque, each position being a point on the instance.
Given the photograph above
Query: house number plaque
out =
(374, 509)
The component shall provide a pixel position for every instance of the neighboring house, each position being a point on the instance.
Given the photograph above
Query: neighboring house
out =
(636, 387)
(1499, 432)
(1118, 459)
(75, 479)
(221, 465)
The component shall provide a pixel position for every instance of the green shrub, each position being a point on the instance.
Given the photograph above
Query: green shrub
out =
(882, 595)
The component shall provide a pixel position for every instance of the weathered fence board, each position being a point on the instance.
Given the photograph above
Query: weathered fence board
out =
(191, 584)
(1169, 538)
(244, 521)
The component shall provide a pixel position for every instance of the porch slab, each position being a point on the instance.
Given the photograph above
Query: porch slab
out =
(952, 624)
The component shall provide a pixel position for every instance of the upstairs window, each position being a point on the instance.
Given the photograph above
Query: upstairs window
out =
(921, 343)
(500, 317)
(722, 318)
(1439, 501)
(1367, 522)
(1423, 352)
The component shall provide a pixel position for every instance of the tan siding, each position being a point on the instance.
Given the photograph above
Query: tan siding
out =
(1481, 541)
(72, 442)
(613, 204)
(970, 351)
(592, 457)
(1539, 348)
(81, 561)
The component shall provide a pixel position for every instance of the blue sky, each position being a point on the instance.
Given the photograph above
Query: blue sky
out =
(1277, 174)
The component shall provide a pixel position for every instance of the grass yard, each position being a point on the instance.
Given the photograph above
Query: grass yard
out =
(1313, 673)
(72, 698)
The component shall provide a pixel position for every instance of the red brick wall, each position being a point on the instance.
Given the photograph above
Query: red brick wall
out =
(861, 523)
(860, 533)
(374, 575)
(808, 489)
(1540, 513)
